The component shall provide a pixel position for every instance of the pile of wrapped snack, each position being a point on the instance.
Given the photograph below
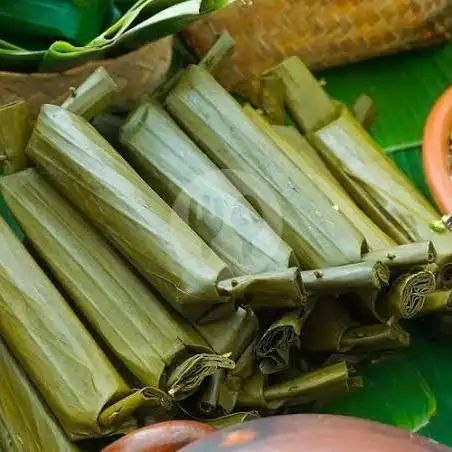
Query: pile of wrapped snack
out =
(201, 259)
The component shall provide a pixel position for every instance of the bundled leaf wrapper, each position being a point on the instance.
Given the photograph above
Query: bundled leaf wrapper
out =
(72, 154)
(361, 165)
(146, 335)
(267, 290)
(386, 336)
(272, 98)
(405, 257)
(280, 191)
(200, 193)
(330, 328)
(15, 131)
(346, 278)
(26, 423)
(220, 52)
(438, 301)
(302, 389)
(62, 359)
(93, 96)
(307, 101)
(277, 343)
(232, 334)
(233, 380)
(305, 156)
(406, 297)
(326, 325)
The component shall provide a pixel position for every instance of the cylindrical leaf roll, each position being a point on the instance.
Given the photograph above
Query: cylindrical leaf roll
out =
(26, 423)
(308, 102)
(93, 96)
(62, 359)
(200, 193)
(302, 155)
(147, 336)
(275, 346)
(15, 130)
(131, 215)
(290, 202)
(394, 205)
(267, 290)
(406, 296)
(405, 256)
(346, 278)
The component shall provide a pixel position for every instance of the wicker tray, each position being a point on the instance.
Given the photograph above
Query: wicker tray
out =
(322, 32)
(135, 73)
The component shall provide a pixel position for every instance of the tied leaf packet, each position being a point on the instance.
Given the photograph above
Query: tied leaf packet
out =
(151, 340)
(26, 423)
(305, 156)
(275, 346)
(200, 193)
(279, 190)
(64, 362)
(15, 131)
(89, 172)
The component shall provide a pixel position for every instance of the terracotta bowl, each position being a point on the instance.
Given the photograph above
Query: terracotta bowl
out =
(435, 152)
(295, 433)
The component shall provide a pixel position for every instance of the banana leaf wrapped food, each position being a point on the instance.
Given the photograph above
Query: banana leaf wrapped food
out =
(302, 389)
(26, 423)
(407, 294)
(233, 379)
(280, 191)
(15, 130)
(228, 336)
(331, 328)
(395, 205)
(438, 301)
(154, 342)
(89, 172)
(200, 193)
(64, 362)
(276, 345)
(307, 101)
(93, 96)
(371, 276)
(304, 156)
(405, 257)
(278, 289)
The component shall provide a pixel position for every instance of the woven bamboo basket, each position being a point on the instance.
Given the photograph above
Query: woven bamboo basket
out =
(135, 73)
(322, 32)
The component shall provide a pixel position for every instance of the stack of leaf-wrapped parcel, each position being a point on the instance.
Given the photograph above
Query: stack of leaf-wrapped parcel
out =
(220, 266)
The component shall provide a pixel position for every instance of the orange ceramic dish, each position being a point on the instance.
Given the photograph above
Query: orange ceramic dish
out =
(435, 153)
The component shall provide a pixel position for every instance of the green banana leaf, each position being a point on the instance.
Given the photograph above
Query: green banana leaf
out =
(144, 21)
(131, 215)
(75, 20)
(71, 372)
(26, 423)
(284, 195)
(147, 336)
(200, 193)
